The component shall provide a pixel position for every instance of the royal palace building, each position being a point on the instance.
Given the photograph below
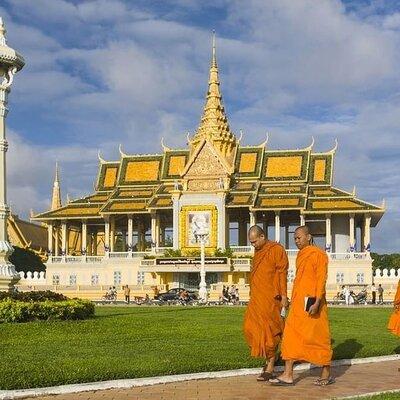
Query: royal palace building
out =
(140, 225)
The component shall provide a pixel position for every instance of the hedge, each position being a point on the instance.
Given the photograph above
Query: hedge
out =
(24, 311)
(41, 295)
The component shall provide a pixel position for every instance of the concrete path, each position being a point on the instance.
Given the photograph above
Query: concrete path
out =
(350, 381)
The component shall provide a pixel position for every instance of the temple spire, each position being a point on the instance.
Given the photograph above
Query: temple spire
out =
(214, 123)
(56, 197)
(214, 56)
(2, 33)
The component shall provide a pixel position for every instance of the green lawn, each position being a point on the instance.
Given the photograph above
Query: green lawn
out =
(148, 341)
(387, 396)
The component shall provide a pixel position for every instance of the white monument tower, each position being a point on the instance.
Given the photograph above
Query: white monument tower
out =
(10, 63)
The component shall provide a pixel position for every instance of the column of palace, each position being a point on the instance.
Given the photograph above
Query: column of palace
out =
(10, 63)
(340, 235)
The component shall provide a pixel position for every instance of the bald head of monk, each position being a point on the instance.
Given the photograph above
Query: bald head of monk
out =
(302, 237)
(257, 237)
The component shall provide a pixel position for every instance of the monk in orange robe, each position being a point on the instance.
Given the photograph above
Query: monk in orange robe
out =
(394, 321)
(306, 336)
(263, 324)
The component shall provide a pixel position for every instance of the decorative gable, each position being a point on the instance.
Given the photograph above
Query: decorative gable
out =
(207, 170)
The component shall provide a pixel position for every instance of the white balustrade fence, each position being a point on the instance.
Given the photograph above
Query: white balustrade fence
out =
(242, 249)
(386, 276)
(32, 278)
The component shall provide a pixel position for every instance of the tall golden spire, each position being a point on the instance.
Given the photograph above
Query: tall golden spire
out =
(56, 197)
(214, 123)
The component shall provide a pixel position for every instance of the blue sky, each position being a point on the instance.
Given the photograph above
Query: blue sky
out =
(103, 72)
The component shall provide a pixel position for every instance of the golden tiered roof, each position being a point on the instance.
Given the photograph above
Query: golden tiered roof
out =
(214, 122)
(252, 177)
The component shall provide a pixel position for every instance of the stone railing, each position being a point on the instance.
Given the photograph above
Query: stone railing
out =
(160, 250)
(32, 278)
(242, 249)
(241, 261)
(97, 259)
(386, 276)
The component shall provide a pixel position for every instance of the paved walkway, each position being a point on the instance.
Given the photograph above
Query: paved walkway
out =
(350, 380)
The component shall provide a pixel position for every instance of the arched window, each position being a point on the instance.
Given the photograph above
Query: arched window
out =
(95, 279)
(72, 280)
(339, 277)
(56, 279)
(360, 277)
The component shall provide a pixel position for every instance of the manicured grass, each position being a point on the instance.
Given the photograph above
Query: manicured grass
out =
(134, 342)
(387, 396)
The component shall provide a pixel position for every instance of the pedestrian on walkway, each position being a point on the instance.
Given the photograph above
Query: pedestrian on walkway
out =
(306, 335)
(347, 296)
(127, 294)
(380, 294)
(373, 292)
(263, 324)
(394, 321)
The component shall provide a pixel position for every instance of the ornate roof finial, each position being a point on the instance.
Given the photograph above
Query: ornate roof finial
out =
(214, 51)
(309, 147)
(99, 157)
(165, 148)
(56, 196)
(334, 147)
(264, 143)
(120, 150)
(241, 135)
(383, 203)
(354, 190)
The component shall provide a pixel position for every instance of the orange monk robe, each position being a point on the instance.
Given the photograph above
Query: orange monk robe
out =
(263, 324)
(307, 337)
(394, 321)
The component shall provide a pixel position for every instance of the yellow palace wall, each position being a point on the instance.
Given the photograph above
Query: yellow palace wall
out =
(142, 283)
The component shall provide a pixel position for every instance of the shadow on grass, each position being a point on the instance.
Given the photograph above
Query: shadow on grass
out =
(397, 350)
(347, 349)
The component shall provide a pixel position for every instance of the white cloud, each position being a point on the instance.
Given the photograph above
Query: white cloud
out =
(31, 170)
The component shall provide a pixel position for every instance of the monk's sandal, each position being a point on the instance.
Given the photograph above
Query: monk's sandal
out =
(325, 382)
(265, 376)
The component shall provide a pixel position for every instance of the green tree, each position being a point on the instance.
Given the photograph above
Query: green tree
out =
(26, 260)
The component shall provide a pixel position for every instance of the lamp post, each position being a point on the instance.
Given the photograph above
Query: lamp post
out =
(10, 63)
(202, 236)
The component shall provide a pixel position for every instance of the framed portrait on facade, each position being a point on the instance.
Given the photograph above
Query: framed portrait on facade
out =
(199, 224)
(198, 220)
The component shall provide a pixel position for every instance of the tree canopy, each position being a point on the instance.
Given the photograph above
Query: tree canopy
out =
(387, 261)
